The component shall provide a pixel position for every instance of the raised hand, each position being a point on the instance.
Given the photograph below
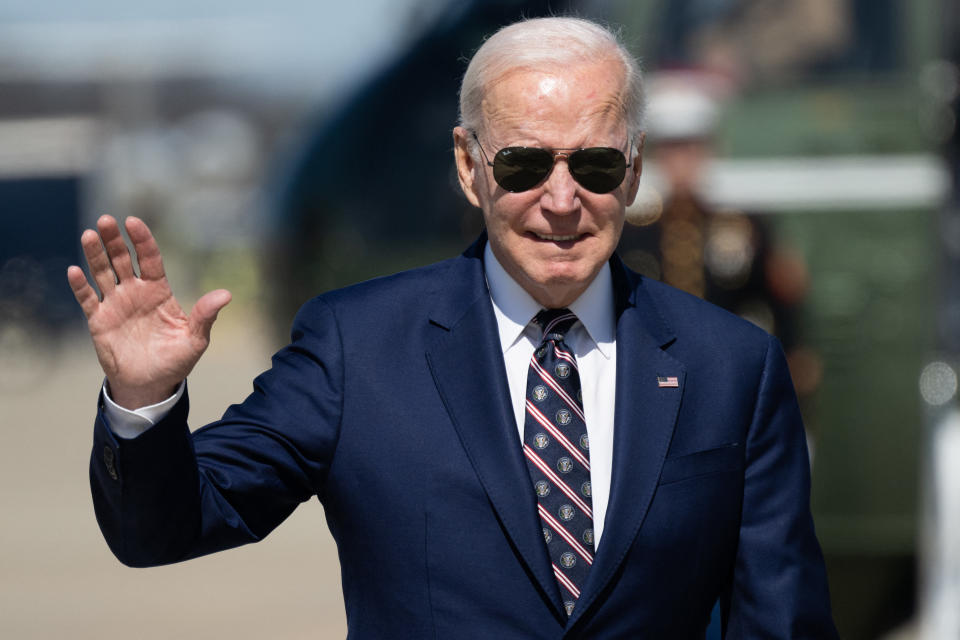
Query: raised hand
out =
(145, 342)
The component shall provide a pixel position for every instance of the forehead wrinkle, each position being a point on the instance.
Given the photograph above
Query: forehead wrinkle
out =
(606, 116)
(544, 94)
(613, 105)
(610, 115)
(542, 107)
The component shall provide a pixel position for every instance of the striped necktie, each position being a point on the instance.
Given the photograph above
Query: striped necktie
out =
(557, 450)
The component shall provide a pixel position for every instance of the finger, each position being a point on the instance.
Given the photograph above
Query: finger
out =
(206, 310)
(148, 253)
(98, 261)
(82, 291)
(116, 248)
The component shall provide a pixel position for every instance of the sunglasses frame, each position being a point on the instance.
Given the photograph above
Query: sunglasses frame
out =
(562, 152)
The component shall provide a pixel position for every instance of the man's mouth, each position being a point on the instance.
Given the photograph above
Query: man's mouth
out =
(557, 238)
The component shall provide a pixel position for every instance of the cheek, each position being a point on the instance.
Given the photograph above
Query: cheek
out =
(609, 214)
(616, 224)
(497, 223)
(507, 212)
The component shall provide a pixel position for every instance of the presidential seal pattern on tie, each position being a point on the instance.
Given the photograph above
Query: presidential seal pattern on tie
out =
(557, 449)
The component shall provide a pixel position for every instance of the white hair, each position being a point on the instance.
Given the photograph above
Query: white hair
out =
(549, 42)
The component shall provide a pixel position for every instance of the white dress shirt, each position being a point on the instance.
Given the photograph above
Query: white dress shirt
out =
(593, 341)
(129, 423)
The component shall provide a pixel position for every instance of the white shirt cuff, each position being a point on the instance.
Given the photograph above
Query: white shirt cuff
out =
(129, 424)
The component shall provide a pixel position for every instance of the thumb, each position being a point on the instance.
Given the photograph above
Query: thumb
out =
(205, 311)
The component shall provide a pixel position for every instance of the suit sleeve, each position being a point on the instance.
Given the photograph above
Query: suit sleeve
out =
(779, 587)
(169, 495)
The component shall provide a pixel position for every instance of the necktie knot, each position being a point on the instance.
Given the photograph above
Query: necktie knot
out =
(555, 323)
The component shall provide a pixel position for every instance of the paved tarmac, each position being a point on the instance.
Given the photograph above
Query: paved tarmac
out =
(59, 580)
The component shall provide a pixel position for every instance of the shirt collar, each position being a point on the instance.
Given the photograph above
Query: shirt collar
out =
(515, 308)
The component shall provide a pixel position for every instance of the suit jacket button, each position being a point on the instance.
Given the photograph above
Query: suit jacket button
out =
(109, 460)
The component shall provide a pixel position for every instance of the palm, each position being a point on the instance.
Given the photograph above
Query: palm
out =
(144, 340)
(141, 333)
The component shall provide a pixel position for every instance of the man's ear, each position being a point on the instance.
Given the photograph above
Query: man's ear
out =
(467, 166)
(636, 168)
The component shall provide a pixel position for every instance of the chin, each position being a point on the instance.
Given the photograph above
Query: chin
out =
(566, 277)
(580, 269)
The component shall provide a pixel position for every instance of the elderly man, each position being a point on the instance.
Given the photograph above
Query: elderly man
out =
(526, 441)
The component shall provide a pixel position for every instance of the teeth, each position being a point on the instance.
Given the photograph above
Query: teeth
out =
(557, 238)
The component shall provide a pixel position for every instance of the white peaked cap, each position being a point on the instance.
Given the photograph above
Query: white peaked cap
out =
(682, 106)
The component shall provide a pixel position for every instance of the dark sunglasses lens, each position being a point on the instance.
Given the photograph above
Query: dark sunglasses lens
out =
(599, 169)
(521, 168)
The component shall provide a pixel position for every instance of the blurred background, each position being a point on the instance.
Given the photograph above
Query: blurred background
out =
(802, 169)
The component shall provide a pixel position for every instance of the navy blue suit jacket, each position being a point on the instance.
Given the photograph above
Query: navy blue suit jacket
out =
(391, 405)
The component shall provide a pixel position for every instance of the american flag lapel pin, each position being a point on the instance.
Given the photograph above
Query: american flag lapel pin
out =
(667, 382)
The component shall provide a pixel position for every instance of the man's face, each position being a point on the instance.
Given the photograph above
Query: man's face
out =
(554, 238)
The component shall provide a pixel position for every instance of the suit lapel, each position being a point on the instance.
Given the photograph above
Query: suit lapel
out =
(644, 420)
(467, 367)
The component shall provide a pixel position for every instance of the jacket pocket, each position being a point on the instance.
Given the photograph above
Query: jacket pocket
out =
(728, 457)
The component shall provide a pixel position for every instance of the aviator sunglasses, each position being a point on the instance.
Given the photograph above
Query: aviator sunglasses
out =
(597, 169)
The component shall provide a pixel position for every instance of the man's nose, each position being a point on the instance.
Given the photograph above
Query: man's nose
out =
(560, 189)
